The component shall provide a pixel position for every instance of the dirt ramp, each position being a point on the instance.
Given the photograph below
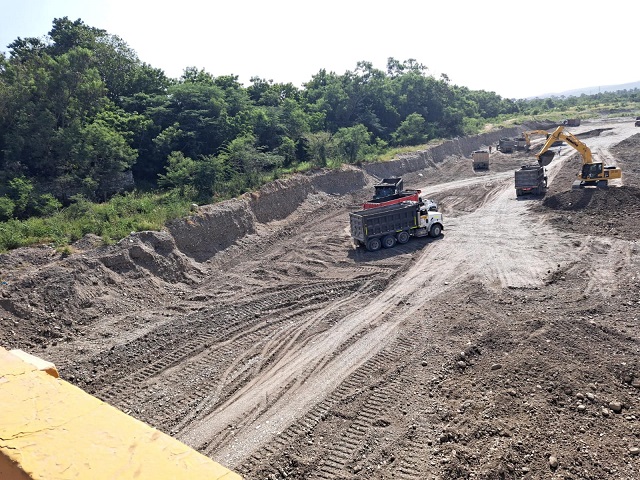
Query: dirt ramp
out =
(51, 295)
(626, 153)
(341, 182)
(279, 199)
(613, 200)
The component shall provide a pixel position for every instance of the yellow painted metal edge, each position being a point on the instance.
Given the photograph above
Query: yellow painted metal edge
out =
(37, 362)
(50, 429)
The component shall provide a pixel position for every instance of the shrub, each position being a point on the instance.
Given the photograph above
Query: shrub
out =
(7, 207)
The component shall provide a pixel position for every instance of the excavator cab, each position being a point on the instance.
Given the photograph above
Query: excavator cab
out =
(591, 170)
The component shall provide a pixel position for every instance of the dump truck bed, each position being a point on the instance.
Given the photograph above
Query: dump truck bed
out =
(388, 186)
(529, 176)
(480, 159)
(383, 220)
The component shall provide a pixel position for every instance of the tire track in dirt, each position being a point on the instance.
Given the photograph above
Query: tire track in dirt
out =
(610, 260)
(494, 243)
(222, 325)
(343, 448)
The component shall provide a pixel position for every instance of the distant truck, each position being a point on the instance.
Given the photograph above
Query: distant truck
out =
(375, 228)
(637, 121)
(572, 122)
(480, 159)
(389, 192)
(521, 143)
(530, 179)
(506, 145)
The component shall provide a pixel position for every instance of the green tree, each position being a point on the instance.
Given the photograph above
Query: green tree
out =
(20, 191)
(319, 147)
(351, 142)
(7, 207)
(412, 131)
(180, 173)
(103, 152)
(245, 159)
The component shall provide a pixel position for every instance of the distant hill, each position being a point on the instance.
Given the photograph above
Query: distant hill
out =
(590, 90)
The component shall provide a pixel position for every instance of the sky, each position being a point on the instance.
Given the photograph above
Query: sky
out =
(515, 49)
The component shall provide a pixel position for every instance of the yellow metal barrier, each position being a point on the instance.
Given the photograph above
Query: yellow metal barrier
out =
(50, 429)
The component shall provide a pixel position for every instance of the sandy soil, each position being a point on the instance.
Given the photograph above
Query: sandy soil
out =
(256, 333)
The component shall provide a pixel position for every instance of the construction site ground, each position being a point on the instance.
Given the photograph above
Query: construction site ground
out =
(255, 332)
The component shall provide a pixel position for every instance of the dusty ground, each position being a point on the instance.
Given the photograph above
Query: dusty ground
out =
(507, 348)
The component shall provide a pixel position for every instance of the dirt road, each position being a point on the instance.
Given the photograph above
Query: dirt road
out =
(507, 348)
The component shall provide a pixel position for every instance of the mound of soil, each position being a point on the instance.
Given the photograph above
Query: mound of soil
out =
(615, 211)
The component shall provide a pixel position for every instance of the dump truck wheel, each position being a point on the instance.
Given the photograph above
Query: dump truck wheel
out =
(389, 241)
(374, 244)
(403, 237)
(435, 230)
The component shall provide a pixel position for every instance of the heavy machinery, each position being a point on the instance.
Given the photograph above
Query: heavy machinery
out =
(50, 429)
(527, 137)
(572, 122)
(530, 179)
(480, 160)
(592, 174)
(506, 145)
(521, 143)
(385, 226)
(387, 186)
(390, 191)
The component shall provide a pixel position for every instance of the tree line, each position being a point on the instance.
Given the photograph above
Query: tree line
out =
(82, 117)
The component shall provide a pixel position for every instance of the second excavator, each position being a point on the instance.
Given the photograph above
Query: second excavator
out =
(526, 136)
(593, 173)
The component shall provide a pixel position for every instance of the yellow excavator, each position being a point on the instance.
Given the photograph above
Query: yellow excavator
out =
(527, 137)
(593, 173)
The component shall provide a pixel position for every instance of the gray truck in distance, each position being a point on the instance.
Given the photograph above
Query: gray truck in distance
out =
(530, 179)
(506, 145)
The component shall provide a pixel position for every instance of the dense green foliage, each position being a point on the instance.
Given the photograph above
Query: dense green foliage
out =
(82, 119)
(112, 220)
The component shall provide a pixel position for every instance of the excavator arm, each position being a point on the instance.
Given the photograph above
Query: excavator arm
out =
(545, 156)
(527, 136)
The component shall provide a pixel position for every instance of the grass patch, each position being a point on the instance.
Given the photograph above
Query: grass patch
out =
(112, 220)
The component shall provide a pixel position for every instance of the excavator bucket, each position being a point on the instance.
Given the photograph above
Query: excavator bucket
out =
(545, 158)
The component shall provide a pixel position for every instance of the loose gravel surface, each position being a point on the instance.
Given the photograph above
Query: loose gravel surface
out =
(255, 332)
